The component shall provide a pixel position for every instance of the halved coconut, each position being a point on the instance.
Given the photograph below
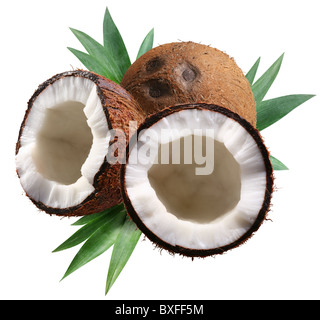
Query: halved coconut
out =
(64, 140)
(198, 179)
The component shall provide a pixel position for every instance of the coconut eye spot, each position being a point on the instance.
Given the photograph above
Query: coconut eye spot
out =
(63, 143)
(189, 75)
(154, 64)
(192, 197)
(186, 74)
(158, 88)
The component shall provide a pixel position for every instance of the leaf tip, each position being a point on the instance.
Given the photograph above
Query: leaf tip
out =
(64, 276)
(107, 11)
(59, 248)
(281, 57)
(109, 285)
(107, 289)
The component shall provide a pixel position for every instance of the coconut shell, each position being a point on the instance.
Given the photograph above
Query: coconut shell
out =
(187, 72)
(119, 108)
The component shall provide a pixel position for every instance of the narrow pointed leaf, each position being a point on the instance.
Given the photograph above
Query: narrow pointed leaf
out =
(252, 72)
(113, 42)
(90, 218)
(100, 53)
(277, 164)
(100, 241)
(146, 44)
(86, 219)
(92, 64)
(122, 250)
(263, 84)
(270, 111)
(92, 225)
(82, 234)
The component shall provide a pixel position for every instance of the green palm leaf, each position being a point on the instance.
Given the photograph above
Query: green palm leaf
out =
(252, 72)
(92, 64)
(270, 111)
(146, 44)
(100, 53)
(92, 224)
(87, 219)
(122, 250)
(114, 44)
(100, 241)
(263, 84)
(277, 164)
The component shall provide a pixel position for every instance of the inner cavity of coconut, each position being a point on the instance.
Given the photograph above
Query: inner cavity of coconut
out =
(63, 143)
(196, 197)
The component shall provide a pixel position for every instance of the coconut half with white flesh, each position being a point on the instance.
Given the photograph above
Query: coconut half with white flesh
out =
(61, 153)
(204, 202)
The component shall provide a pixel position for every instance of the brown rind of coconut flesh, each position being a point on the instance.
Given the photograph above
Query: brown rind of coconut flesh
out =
(198, 215)
(61, 152)
(188, 72)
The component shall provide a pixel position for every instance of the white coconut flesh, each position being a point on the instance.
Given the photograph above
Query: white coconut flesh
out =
(190, 210)
(63, 143)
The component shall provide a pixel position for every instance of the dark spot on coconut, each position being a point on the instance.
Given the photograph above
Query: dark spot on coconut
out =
(189, 74)
(158, 88)
(154, 64)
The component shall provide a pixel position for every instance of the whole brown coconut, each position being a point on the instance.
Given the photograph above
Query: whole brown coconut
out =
(64, 140)
(187, 72)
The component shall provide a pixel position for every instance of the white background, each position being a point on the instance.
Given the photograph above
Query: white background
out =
(281, 261)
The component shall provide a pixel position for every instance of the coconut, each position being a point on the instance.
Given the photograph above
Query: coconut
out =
(187, 72)
(64, 140)
(196, 200)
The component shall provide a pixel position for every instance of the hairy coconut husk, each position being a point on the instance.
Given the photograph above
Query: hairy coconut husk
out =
(187, 72)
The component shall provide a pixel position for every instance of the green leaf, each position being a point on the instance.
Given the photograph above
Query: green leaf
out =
(99, 53)
(252, 72)
(114, 44)
(122, 250)
(90, 217)
(100, 241)
(93, 222)
(82, 234)
(91, 63)
(270, 111)
(277, 164)
(263, 84)
(146, 44)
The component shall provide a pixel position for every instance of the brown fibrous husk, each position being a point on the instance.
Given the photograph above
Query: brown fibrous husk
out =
(188, 72)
